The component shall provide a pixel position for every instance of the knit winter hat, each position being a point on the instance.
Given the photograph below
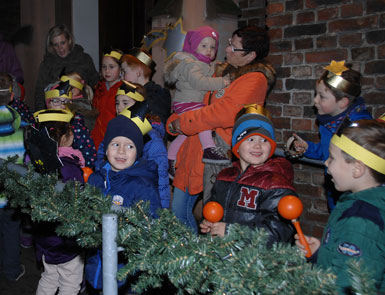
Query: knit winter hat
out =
(251, 124)
(124, 126)
(194, 37)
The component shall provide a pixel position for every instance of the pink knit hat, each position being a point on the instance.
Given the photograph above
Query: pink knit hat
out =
(194, 37)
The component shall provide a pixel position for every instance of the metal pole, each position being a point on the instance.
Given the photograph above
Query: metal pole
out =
(110, 254)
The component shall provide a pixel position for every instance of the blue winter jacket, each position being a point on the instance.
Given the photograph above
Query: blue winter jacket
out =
(128, 186)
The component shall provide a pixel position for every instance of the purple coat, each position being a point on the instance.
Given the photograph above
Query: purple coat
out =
(9, 63)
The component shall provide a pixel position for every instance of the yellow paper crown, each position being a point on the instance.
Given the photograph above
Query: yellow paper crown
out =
(382, 117)
(130, 91)
(72, 82)
(333, 78)
(359, 153)
(257, 109)
(56, 93)
(143, 57)
(143, 125)
(53, 115)
(114, 54)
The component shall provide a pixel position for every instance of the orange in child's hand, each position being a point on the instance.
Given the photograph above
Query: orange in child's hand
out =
(213, 211)
(290, 207)
(87, 171)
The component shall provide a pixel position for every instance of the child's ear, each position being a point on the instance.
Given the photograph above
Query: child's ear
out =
(359, 169)
(343, 102)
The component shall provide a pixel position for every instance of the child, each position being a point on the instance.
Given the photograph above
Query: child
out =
(125, 175)
(250, 190)
(138, 67)
(337, 97)
(105, 92)
(59, 96)
(11, 144)
(191, 70)
(355, 230)
(82, 96)
(63, 265)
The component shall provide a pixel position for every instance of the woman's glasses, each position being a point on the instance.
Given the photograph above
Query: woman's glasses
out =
(58, 101)
(235, 49)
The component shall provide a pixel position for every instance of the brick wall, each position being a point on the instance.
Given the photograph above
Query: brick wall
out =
(305, 36)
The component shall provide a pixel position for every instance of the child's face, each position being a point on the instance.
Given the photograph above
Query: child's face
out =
(254, 150)
(325, 101)
(110, 70)
(130, 74)
(67, 140)
(121, 153)
(122, 102)
(340, 170)
(207, 47)
(58, 103)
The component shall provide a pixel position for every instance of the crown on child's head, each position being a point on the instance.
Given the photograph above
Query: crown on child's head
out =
(143, 124)
(256, 109)
(72, 82)
(53, 115)
(63, 89)
(130, 90)
(332, 76)
(143, 57)
(9, 89)
(114, 54)
(355, 150)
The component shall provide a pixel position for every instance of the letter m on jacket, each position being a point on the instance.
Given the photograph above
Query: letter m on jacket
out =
(248, 198)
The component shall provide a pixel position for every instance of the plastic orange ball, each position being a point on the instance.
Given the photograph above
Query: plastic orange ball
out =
(87, 171)
(290, 207)
(213, 211)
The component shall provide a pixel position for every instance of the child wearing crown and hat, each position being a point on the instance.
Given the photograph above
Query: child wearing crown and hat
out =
(61, 256)
(105, 92)
(58, 96)
(250, 190)
(191, 71)
(337, 96)
(355, 229)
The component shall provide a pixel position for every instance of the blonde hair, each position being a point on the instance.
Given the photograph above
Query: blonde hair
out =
(87, 90)
(57, 31)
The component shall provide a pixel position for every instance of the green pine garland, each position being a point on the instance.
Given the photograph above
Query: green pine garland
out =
(239, 263)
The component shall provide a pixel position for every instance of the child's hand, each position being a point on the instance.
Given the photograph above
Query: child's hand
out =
(226, 80)
(299, 144)
(174, 127)
(314, 244)
(216, 229)
(295, 146)
(205, 226)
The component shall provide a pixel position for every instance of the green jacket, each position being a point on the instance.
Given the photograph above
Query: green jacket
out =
(356, 230)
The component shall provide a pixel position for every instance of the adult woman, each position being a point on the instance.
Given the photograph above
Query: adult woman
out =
(252, 79)
(62, 55)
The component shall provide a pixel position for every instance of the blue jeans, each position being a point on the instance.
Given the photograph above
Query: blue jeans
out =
(182, 206)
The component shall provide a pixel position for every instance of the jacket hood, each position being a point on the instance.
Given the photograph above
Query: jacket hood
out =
(170, 66)
(139, 169)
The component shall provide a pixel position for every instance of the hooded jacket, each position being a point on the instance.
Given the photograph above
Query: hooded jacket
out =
(250, 85)
(251, 197)
(53, 65)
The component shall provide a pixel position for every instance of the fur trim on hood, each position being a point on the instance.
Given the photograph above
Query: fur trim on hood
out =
(170, 66)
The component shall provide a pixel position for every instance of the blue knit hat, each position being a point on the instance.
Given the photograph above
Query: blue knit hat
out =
(251, 124)
(124, 126)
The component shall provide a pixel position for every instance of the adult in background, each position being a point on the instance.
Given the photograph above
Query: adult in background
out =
(62, 56)
(252, 78)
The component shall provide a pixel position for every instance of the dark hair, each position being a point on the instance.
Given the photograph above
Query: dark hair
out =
(370, 134)
(57, 129)
(6, 82)
(351, 76)
(254, 39)
(118, 61)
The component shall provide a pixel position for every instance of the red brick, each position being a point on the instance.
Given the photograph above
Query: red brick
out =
(320, 205)
(275, 59)
(327, 41)
(293, 59)
(274, 8)
(374, 97)
(302, 98)
(302, 71)
(327, 14)
(280, 46)
(275, 33)
(281, 123)
(316, 217)
(318, 178)
(278, 84)
(302, 177)
(308, 190)
(301, 124)
(381, 51)
(275, 111)
(279, 21)
(305, 17)
(355, 24)
(367, 82)
(283, 97)
(363, 53)
(380, 81)
(292, 111)
(350, 10)
(354, 39)
(326, 56)
(249, 13)
(306, 43)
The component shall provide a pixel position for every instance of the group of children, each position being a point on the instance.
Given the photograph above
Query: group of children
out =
(130, 167)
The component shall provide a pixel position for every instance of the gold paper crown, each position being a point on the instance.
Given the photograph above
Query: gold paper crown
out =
(72, 82)
(143, 58)
(144, 126)
(135, 95)
(359, 153)
(333, 78)
(257, 109)
(9, 89)
(53, 115)
(382, 117)
(56, 93)
(114, 54)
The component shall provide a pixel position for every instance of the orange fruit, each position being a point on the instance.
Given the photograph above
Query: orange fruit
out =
(87, 171)
(213, 211)
(290, 207)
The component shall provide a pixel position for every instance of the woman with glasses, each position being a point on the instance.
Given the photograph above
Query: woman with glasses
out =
(252, 78)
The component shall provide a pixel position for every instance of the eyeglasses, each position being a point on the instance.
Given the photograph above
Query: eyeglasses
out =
(57, 101)
(235, 49)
